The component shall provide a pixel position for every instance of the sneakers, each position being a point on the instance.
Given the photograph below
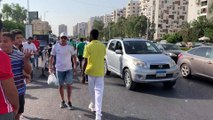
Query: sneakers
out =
(91, 107)
(70, 107)
(63, 105)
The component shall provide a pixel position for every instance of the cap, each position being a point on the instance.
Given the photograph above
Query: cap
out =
(63, 34)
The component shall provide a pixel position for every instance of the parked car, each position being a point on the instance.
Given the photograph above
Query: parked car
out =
(139, 61)
(171, 50)
(197, 61)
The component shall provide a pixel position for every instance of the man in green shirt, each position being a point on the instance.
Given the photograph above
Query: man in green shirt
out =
(80, 51)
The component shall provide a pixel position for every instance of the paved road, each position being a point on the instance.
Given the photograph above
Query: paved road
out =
(188, 100)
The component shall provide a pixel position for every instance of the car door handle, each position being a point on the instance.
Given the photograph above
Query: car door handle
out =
(209, 62)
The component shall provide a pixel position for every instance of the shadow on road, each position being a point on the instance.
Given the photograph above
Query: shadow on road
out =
(27, 96)
(106, 116)
(32, 118)
(194, 88)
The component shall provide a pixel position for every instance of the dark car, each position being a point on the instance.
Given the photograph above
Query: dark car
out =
(171, 50)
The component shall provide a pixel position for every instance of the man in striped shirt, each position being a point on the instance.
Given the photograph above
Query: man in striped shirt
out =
(9, 102)
(20, 62)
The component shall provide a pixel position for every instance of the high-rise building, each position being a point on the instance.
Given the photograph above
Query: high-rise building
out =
(62, 28)
(116, 14)
(167, 15)
(80, 30)
(133, 8)
(198, 8)
(107, 19)
(91, 22)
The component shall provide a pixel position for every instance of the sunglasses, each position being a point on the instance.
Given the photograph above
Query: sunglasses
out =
(63, 37)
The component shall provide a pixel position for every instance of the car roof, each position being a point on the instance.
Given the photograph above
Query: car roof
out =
(130, 39)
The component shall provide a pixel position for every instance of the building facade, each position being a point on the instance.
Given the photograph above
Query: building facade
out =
(62, 28)
(91, 22)
(199, 8)
(80, 30)
(170, 15)
(116, 14)
(133, 8)
(40, 27)
(107, 19)
(147, 8)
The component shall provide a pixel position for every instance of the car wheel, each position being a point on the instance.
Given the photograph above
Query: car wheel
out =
(169, 84)
(185, 71)
(130, 85)
(106, 71)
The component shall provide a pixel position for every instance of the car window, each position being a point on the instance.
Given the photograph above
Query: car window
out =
(192, 51)
(112, 45)
(140, 47)
(170, 47)
(202, 52)
(118, 46)
(210, 54)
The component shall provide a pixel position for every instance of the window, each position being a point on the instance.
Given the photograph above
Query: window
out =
(112, 46)
(202, 52)
(210, 53)
(118, 46)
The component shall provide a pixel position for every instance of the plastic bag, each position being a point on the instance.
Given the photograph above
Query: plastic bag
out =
(52, 80)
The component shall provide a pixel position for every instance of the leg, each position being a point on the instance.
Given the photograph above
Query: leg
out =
(60, 77)
(99, 88)
(91, 82)
(21, 107)
(69, 82)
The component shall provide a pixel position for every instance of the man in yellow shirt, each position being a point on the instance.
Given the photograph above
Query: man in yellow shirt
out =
(94, 54)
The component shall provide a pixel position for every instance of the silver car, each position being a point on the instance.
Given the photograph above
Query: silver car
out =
(139, 61)
(197, 61)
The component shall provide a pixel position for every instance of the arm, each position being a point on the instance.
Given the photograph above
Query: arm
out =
(27, 65)
(85, 65)
(74, 61)
(11, 92)
(51, 60)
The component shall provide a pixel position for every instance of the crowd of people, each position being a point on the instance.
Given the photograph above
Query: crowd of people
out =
(18, 59)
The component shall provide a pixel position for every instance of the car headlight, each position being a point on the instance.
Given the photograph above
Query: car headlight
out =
(140, 63)
(172, 63)
(171, 54)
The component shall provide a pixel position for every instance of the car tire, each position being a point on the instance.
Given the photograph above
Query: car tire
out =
(106, 71)
(130, 85)
(185, 71)
(169, 84)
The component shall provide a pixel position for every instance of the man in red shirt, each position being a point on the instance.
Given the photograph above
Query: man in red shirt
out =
(9, 101)
(37, 44)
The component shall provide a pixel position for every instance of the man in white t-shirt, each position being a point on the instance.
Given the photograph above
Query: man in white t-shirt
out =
(64, 71)
(30, 46)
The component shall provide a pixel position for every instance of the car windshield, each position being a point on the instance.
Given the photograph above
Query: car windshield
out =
(140, 47)
(170, 47)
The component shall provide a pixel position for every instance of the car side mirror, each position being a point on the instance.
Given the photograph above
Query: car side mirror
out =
(118, 52)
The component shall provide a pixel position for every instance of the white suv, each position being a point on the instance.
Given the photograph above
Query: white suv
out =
(139, 61)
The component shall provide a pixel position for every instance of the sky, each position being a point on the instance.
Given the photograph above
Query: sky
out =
(69, 12)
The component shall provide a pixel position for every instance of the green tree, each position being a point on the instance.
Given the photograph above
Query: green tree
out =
(10, 25)
(174, 38)
(14, 12)
(99, 25)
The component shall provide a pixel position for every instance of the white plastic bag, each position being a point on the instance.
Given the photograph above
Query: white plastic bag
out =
(52, 80)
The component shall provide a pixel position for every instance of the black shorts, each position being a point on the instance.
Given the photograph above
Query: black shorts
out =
(21, 104)
(80, 58)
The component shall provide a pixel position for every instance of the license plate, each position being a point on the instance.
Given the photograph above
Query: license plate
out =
(161, 74)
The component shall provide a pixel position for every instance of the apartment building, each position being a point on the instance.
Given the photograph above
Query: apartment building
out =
(116, 14)
(62, 28)
(107, 19)
(133, 8)
(91, 22)
(199, 8)
(80, 30)
(147, 8)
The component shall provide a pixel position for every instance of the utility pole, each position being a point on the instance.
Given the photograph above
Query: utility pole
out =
(147, 29)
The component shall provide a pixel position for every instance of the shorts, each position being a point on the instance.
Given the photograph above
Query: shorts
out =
(7, 116)
(65, 77)
(21, 104)
(80, 58)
